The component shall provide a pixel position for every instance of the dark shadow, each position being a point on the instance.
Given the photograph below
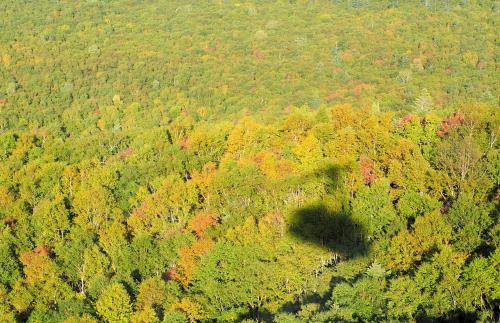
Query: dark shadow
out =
(256, 314)
(334, 229)
(331, 228)
(457, 316)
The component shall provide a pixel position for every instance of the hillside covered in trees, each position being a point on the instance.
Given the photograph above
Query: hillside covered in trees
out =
(257, 161)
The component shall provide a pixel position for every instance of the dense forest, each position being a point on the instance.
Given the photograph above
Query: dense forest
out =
(257, 161)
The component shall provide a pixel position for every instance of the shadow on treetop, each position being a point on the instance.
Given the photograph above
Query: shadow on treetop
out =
(333, 229)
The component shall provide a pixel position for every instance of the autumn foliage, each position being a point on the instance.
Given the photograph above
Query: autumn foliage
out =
(249, 161)
(189, 256)
(450, 122)
(201, 222)
(367, 167)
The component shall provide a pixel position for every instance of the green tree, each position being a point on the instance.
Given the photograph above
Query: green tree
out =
(50, 220)
(113, 305)
(469, 222)
(374, 210)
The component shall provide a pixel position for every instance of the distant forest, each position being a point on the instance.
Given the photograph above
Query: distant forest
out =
(254, 161)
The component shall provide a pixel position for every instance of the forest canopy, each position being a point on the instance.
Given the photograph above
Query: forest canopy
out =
(257, 161)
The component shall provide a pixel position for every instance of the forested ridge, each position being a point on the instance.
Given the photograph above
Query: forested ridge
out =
(257, 161)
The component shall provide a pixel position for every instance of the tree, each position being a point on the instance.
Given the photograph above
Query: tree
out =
(146, 315)
(50, 220)
(43, 280)
(364, 300)
(201, 222)
(92, 205)
(113, 305)
(114, 242)
(469, 222)
(7, 313)
(408, 247)
(94, 271)
(152, 293)
(9, 265)
(459, 157)
(146, 256)
(373, 209)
